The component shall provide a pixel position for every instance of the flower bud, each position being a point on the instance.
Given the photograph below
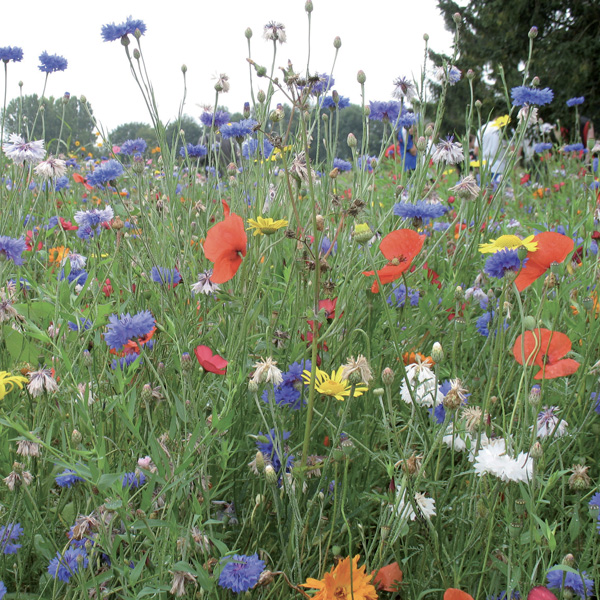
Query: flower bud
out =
(320, 222)
(270, 475)
(459, 294)
(76, 436)
(137, 34)
(260, 461)
(87, 358)
(146, 392)
(457, 18)
(533, 33)
(160, 367)
(535, 395)
(520, 506)
(184, 68)
(555, 268)
(470, 74)
(362, 233)
(125, 41)
(429, 130)
(437, 353)
(478, 104)
(378, 392)
(352, 141)
(308, 6)
(248, 33)
(136, 54)
(536, 451)
(261, 97)
(426, 37)
(333, 174)
(460, 324)
(421, 144)
(587, 303)
(252, 386)
(568, 560)
(387, 376)
(535, 81)
(337, 42)
(515, 529)
(579, 480)
(361, 77)
(261, 71)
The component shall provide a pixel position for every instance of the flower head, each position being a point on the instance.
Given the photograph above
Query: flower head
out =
(112, 32)
(193, 151)
(404, 88)
(67, 478)
(575, 101)
(466, 188)
(424, 505)
(358, 367)
(52, 63)
(205, 285)
(343, 582)
(422, 382)
(388, 112)
(275, 31)
(11, 249)
(225, 245)
(509, 242)
(576, 582)
(8, 534)
(241, 573)
(545, 349)
(421, 210)
(449, 151)
(123, 329)
(499, 263)
(41, 381)
(131, 147)
(165, 276)
(20, 151)
(333, 385)
(65, 566)
(51, 168)
(266, 226)
(105, 173)
(13, 53)
(238, 129)
(266, 371)
(213, 363)
(529, 95)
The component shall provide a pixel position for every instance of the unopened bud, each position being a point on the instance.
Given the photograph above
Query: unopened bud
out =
(334, 173)
(308, 6)
(568, 560)
(248, 33)
(260, 462)
(535, 395)
(478, 104)
(270, 475)
(387, 376)
(136, 54)
(520, 506)
(261, 71)
(261, 97)
(161, 367)
(470, 74)
(459, 293)
(337, 42)
(587, 303)
(320, 222)
(76, 436)
(421, 144)
(352, 141)
(361, 77)
(437, 353)
(457, 18)
(146, 392)
(87, 358)
(137, 34)
(535, 81)
(533, 33)
(125, 41)
(426, 37)
(187, 364)
(378, 392)
(529, 323)
(460, 324)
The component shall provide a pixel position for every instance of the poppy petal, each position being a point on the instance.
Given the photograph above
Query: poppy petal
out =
(562, 368)
(552, 247)
(454, 594)
(541, 593)
(541, 343)
(402, 242)
(224, 244)
(388, 578)
(209, 362)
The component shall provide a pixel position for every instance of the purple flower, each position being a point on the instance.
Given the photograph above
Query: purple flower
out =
(83, 324)
(241, 573)
(52, 63)
(420, 210)
(576, 582)
(121, 330)
(220, 117)
(112, 32)
(528, 95)
(164, 276)
(500, 262)
(573, 148)
(384, 111)
(124, 362)
(105, 173)
(342, 165)
(289, 391)
(542, 147)
(10, 533)
(267, 446)
(131, 147)
(575, 101)
(399, 294)
(328, 102)
(13, 53)
(11, 249)
(193, 151)
(322, 85)
(2, 590)
(238, 130)
(65, 566)
(67, 478)
(133, 480)
(94, 217)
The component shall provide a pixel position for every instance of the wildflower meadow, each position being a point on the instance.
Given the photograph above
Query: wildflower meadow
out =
(268, 362)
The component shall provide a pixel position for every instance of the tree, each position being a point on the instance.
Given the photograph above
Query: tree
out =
(44, 120)
(494, 39)
(133, 131)
(190, 127)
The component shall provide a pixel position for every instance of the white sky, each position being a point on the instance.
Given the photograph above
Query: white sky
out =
(384, 38)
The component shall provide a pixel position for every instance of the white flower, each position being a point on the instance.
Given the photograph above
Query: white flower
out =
(423, 384)
(405, 510)
(22, 152)
(267, 372)
(404, 88)
(449, 151)
(204, 285)
(462, 440)
(549, 424)
(493, 459)
(275, 31)
(52, 168)
(40, 381)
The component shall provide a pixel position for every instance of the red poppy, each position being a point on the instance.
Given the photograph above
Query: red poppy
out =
(67, 225)
(545, 349)
(454, 594)
(79, 179)
(399, 247)
(107, 288)
(213, 363)
(551, 247)
(525, 179)
(224, 246)
(29, 240)
(388, 577)
(541, 593)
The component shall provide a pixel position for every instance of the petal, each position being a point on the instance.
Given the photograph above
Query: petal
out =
(454, 594)
(387, 578)
(562, 368)
(541, 593)
(402, 242)
(539, 343)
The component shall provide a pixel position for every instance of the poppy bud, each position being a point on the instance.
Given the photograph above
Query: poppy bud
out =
(522, 253)
(460, 324)
(515, 529)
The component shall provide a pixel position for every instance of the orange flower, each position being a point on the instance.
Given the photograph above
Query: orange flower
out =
(545, 349)
(454, 594)
(399, 247)
(345, 581)
(225, 246)
(551, 247)
(388, 578)
(411, 358)
(56, 255)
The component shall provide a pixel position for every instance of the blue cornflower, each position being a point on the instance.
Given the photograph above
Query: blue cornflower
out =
(384, 111)
(420, 210)
(267, 447)
(441, 226)
(133, 480)
(399, 294)
(83, 325)
(250, 146)
(595, 500)
(342, 165)
(94, 217)
(79, 276)
(11, 249)
(575, 101)
(241, 573)
(121, 330)
(328, 102)
(326, 245)
(573, 148)
(528, 95)
(483, 323)
(500, 262)
(221, 118)
(454, 75)
(542, 147)
(65, 566)
(514, 595)
(131, 147)
(2, 590)
(71, 162)
(124, 362)
(323, 85)
(289, 391)
(112, 32)
(406, 118)
(8, 534)
(366, 162)
(238, 130)
(438, 413)
(67, 478)
(164, 276)
(106, 172)
(13, 53)
(61, 183)
(52, 63)
(576, 582)
(193, 151)
(596, 398)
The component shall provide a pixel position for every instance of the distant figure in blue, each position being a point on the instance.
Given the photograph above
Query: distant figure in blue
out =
(405, 150)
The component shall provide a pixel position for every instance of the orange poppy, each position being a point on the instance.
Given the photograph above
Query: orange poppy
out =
(545, 349)
(399, 247)
(225, 245)
(388, 578)
(551, 247)
(454, 594)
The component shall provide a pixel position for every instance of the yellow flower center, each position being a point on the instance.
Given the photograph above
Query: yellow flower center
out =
(331, 388)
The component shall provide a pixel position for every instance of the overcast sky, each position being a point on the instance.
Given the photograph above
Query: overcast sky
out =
(384, 38)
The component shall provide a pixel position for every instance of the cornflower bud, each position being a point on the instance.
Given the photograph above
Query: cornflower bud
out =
(457, 18)
(470, 74)
(478, 104)
(184, 68)
(533, 33)
(136, 54)
(426, 37)
(248, 33)
(421, 144)
(308, 6)
(387, 376)
(535, 81)
(76, 436)
(261, 97)
(320, 222)
(270, 475)
(361, 77)
(437, 353)
(352, 141)
(337, 42)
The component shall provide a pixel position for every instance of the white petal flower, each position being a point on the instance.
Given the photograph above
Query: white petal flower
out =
(423, 385)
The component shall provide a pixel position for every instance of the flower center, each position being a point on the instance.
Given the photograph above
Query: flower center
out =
(397, 260)
(331, 388)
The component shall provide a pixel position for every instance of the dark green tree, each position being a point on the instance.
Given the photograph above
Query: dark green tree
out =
(191, 128)
(52, 117)
(133, 131)
(494, 43)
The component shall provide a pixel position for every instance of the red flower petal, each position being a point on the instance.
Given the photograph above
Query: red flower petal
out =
(224, 244)
(552, 247)
(541, 593)
(454, 594)
(562, 368)
(213, 363)
(545, 348)
(388, 578)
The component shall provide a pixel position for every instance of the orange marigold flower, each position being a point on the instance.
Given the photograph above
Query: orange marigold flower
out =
(345, 581)
(57, 254)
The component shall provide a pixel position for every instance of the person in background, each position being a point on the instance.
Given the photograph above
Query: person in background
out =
(407, 150)
(490, 147)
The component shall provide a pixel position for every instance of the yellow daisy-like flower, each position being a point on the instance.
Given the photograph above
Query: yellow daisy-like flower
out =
(502, 121)
(345, 581)
(57, 254)
(334, 385)
(267, 226)
(508, 242)
(8, 381)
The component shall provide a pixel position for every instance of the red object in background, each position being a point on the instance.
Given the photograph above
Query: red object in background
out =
(225, 245)
(213, 363)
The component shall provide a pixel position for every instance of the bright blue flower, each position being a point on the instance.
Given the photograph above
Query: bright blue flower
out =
(454, 75)
(11, 249)
(324, 83)
(125, 328)
(241, 573)
(126, 361)
(221, 118)
(575, 101)
(342, 165)
(131, 147)
(65, 566)
(398, 296)
(385, 111)
(61, 183)
(105, 172)
(94, 217)
(596, 398)
(112, 32)
(77, 275)
(289, 391)
(250, 146)
(420, 210)
(528, 95)
(11, 53)
(328, 102)
(438, 413)
(542, 147)
(164, 276)
(133, 480)
(8, 534)
(2, 590)
(441, 226)
(483, 323)
(193, 151)
(326, 245)
(238, 130)
(577, 583)
(270, 453)
(594, 501)
(573, 148)
(406, 119)
(500, 262)
(52, 63)
(71, 162)
(67, 478)
(83, 325)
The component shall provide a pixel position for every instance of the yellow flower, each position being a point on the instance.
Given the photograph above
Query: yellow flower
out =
(8, 382)
(508, 242)
(267, 226)
(502, 121)
(334, 386)
(57, 254)
(345, 581)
